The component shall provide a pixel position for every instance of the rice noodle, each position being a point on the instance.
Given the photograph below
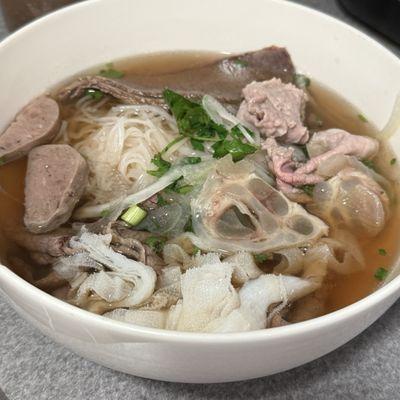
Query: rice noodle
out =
(217, 112)
(119, 144)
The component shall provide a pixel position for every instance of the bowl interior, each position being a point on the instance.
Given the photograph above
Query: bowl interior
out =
(95, 32)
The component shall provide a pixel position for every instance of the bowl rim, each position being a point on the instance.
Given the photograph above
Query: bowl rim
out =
(343, 314)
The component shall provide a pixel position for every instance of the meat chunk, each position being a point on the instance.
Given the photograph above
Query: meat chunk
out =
(323, 146)
(326, 144)
(53, 244)
(223, 79)
(276, 109)
(283, 164)
(55, 180)
(35, 125)
(122, 91)
(130, 243)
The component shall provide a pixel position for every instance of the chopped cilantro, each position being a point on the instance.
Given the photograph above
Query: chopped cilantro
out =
(196, 250)
(235, 147)
(302, 81)
(260, 258)
(156, 243)
(381, 273)
(189, 225)
(197, 144)
(185, 189)
(191, 118)
(191, 160)
(240, 62)
(194, 122)
(308, 189)
(237, 133)
(369, 164)
(95, 94)
(178, 188)
(162, 166)
(393, 161)
(161, 201)
(382, 252)
(105, 213)
(170, 144)
(362, 118)
(111, 72)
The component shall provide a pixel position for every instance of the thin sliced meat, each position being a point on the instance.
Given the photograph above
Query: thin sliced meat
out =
(276, 109)
(326, 144)
(283, 164)
(285, 168)
(53, 244)
(130, 243)
(223, 79)
(36, 124)
(55, 180)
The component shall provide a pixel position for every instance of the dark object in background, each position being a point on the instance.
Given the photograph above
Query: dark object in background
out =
(19, 12)
(382, 15)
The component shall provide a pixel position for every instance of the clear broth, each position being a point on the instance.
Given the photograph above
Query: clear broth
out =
(332, 109)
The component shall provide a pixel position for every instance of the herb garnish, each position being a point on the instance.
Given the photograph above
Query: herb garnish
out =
(156, 243)
(393, 161)
(185, 189)
(197, 144)
(369, 164)
(95, 94)
(160, 200)
(260, 258)
(235, 147)
(111, 72)
(382, 252)
(105, 213)
(362, 118)
(189, 225)
(162, 166)
(308, 189)
(381, 273)
(134, 215)
(194, 122)
(301, 81)
(191, 160)
(196, 250)
(178, 188)
(241, 63)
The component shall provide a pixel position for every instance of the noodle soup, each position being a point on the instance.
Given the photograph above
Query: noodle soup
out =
(205, 193)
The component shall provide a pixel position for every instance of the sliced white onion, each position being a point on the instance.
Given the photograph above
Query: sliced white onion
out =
(95, 211)
(217, 112)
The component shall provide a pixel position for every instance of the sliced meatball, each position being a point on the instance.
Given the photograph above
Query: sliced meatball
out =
(36, 124)
(55, 180)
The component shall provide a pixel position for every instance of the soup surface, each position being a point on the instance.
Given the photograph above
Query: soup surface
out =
(88, 116)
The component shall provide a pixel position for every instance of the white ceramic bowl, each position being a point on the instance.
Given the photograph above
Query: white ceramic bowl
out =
(94, 32)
